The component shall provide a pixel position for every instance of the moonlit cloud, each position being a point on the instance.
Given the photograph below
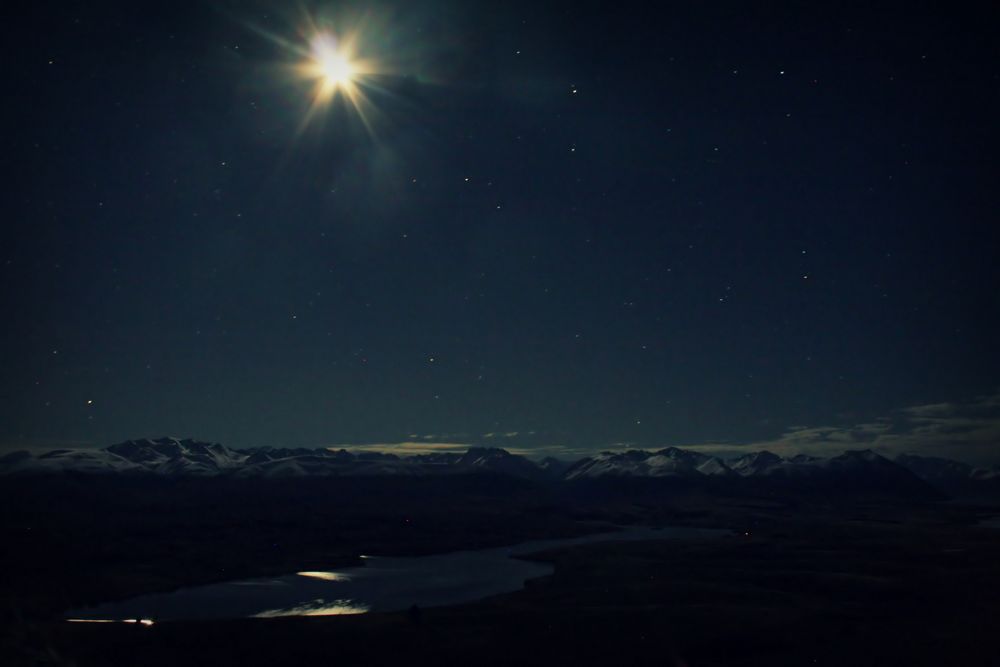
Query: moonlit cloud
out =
(522, 442)
(968, 430)
(405, 448)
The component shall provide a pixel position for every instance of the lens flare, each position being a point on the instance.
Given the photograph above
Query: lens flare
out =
(334, 65)
(330, 65)
(339, 65)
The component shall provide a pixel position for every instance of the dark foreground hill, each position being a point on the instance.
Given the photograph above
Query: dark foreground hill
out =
(831, 561)
(823, 577)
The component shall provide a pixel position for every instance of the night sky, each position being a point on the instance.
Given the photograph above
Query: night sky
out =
(584, 223)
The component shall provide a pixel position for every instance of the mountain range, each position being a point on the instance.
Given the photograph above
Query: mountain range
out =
(174, 457)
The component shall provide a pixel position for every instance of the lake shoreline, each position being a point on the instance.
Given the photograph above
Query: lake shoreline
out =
(377, 584)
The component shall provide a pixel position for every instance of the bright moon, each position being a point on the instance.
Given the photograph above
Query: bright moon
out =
(331, 64)
(337, 70)
(338, 67)
(334, 65)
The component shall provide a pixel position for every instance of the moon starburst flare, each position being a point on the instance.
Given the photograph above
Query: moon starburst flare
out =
(333, 63)
(334, 67)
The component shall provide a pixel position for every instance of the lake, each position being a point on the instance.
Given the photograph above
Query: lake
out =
(379, 584)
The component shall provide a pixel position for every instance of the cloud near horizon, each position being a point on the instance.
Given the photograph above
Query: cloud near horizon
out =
(533, 444)
(968, 430)
(413, 448)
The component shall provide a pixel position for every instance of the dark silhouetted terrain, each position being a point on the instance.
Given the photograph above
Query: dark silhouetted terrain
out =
(848, 560)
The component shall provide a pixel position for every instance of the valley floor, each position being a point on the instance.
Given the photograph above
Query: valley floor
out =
(875, 584)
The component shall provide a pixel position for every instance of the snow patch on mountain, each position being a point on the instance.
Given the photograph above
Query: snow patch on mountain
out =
(669, 462)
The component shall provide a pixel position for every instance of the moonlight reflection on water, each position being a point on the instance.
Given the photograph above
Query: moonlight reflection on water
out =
(380, 584)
